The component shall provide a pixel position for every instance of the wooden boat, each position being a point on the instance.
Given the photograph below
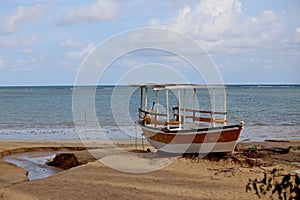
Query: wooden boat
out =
(185, 128)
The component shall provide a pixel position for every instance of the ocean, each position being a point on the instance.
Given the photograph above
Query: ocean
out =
(45, 112)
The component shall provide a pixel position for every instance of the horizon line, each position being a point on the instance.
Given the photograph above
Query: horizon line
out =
(226, 84)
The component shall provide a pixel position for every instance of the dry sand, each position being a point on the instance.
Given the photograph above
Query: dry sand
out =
(182, 179)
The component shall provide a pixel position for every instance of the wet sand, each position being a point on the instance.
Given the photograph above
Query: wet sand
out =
(184, 178)
(34, 163)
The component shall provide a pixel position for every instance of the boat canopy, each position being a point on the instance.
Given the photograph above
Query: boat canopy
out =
(178, 86)
(183, 114)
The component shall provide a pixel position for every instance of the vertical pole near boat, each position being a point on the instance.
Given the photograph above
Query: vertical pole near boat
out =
(179, 107)
(135, 136)
(85, 122)
(213, 107)
(141, 103)
(167, 108)
(194, 104)
(224, 107)
(156, 105)
(146, 98)
(157, 99)
(184, 106)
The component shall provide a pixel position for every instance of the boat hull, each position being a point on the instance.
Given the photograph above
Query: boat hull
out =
(203, 141)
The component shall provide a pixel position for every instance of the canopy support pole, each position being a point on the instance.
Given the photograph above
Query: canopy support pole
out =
(225, 117)
(184, 104)
(167, 108)
(213, 107)
(194, 104)
(179, 107)
(141, 103)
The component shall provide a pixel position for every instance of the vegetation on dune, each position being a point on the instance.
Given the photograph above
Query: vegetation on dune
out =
(285, 188)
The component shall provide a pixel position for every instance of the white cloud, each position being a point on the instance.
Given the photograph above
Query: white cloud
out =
(102, 10)
(295, 41)
(79, 55)
(2, 62)
(71, 43)
(219, 24)
(208, 19)
(22, 15)
(28, 64)
(25, 43)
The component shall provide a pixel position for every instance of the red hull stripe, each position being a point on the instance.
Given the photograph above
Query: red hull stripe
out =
(167, 138)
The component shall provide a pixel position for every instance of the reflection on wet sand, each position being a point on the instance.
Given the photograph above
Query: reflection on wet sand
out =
(34, 163)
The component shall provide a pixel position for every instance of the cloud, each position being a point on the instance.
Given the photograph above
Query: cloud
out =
(28, 64)
(250, 62)
(79, 55)
(208, 19)
(2, 62)
(102, 10)
(71, 43)
(295, 41)
(220, 25)
(25, 43)
(22, 15)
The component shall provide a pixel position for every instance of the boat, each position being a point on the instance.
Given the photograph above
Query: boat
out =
(177, 122)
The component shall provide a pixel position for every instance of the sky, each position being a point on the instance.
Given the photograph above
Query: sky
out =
(250, 42)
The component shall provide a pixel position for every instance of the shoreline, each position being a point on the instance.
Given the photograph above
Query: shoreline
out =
(212, 179)
(254, 133)
(31, 144)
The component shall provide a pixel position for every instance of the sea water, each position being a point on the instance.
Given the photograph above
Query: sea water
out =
(46, 112)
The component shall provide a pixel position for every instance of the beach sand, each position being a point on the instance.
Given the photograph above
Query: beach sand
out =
(184, 178)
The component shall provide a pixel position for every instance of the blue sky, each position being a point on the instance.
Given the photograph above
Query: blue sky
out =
(44, 42)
